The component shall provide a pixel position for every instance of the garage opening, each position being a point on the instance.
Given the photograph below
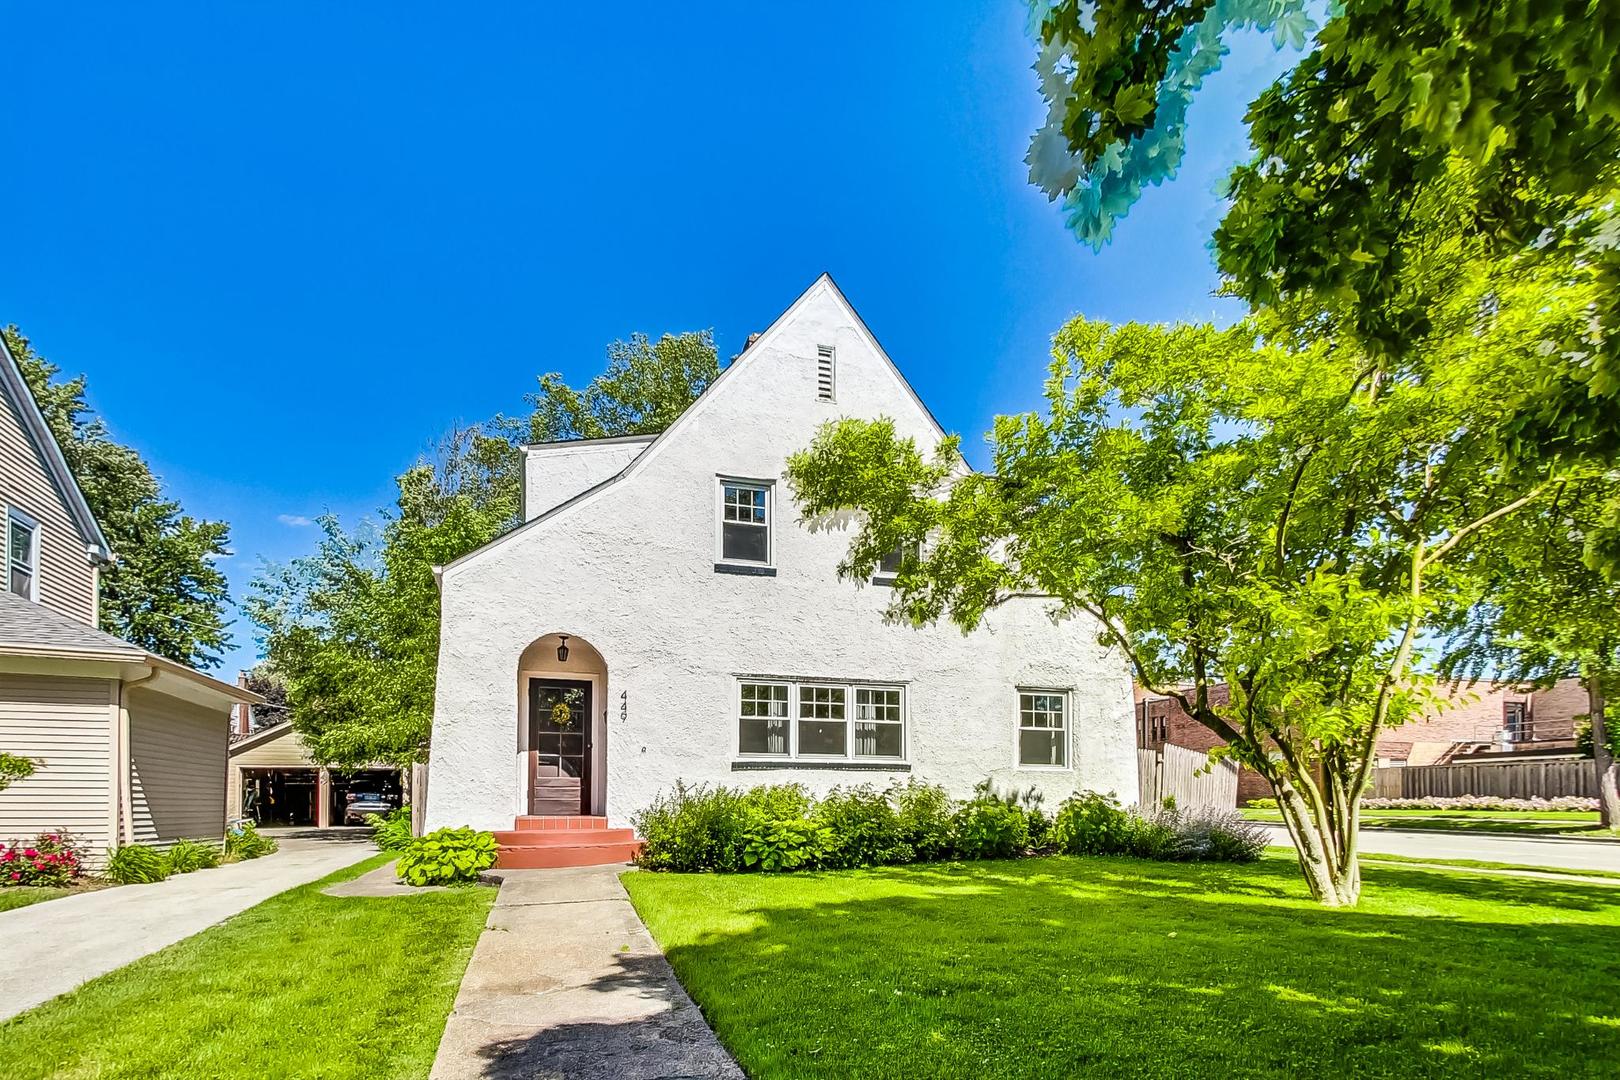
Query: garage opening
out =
(280, 796)
(360, 792)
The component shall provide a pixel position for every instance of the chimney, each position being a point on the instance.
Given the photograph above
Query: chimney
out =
(244, 711)
(749, 344)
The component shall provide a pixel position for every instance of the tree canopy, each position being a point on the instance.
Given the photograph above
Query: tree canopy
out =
(1270, 506)
(1389, 94)
(646, 385)
(165, 591)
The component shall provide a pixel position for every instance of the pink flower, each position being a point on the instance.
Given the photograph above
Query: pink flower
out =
(29, 853)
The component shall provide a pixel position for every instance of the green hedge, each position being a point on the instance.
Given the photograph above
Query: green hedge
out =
(781, 827)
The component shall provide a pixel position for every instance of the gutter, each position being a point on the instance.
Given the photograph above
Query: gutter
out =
(126, 799)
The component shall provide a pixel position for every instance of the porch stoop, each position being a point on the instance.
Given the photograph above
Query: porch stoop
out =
(542, 843)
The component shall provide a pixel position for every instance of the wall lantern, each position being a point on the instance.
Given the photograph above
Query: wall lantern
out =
(562, 650)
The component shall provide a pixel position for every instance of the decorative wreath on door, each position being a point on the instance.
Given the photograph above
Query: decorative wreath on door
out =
(561, 714)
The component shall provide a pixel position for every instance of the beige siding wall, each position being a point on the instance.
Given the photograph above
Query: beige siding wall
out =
(177, 762)
(285, 751)
(67, 581)
(66, 725)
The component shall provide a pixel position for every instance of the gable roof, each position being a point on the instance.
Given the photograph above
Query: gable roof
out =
(824, 282)
(50, 453)
(33, 628)
(263, 735)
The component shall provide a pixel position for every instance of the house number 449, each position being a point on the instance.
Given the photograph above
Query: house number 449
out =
(624, 704)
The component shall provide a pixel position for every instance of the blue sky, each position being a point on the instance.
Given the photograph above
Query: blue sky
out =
(290, 245)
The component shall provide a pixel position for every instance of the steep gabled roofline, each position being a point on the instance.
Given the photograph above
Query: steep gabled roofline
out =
(681, 421)
(51, 454)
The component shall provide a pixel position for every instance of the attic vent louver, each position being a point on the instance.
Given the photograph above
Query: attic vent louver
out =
(824, 372)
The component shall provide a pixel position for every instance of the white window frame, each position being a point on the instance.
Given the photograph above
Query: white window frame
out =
(850, 689)
(854, 718)
(31, 523)
(789, 717)
(769, 487)
(1063, 696)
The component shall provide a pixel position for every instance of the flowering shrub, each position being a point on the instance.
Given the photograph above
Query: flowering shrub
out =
(1481, 802)
(51, 858)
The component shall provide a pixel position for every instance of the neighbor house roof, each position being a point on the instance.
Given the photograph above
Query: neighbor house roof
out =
(30, 629)
(27, 627)
(50, 454)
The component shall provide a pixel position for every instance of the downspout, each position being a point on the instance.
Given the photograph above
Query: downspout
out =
(126, 799)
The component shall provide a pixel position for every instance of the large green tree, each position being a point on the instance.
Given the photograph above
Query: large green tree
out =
(1386, 95)
(1273, 507)
(1544, 613)
(165, 591)
(352, 629)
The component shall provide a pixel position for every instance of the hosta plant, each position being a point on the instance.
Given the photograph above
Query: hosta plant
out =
(447, 857)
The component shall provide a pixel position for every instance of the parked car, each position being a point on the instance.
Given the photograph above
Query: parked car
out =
(360, 804)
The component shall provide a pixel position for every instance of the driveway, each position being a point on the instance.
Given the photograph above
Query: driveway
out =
(1560, 852)
(52, 947)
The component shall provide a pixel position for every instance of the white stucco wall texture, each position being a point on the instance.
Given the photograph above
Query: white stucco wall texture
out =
(629, 569)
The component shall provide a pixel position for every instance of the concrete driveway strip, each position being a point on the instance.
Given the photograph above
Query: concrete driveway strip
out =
(1562, 852)
(566, 982)
(52, 947)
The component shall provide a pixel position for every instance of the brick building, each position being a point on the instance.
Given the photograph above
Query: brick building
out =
(1483, 720)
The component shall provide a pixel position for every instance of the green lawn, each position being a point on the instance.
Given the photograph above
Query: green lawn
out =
(17, 896)
(1479, 864)
(1119, 968)
(1579, 823)
(303, 985)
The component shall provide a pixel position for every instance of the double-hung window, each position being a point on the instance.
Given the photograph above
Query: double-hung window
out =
(22, 554)
(763, 719)
(745, 522)
(1043, 728)
(823, 721)
(879, 724)
(819, 721)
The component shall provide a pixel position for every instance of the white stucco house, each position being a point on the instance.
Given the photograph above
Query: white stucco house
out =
(662, 614)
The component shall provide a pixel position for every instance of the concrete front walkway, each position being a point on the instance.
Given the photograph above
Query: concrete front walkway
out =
(566, 982)
(52, 947)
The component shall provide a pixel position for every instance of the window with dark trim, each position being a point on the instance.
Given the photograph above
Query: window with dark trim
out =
(745, 522)
(22, 555)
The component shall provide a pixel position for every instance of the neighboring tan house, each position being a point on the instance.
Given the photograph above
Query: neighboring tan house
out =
(1485, 721)
(663, 615)
(129, 747)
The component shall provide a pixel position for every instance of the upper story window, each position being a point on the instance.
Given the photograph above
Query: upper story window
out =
(889, 566)
(1043, 729)
(745, 522)
(825, 372)
(22, 554)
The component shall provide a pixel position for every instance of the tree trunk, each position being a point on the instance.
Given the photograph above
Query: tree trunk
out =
(1324, 822)
(1608, 773)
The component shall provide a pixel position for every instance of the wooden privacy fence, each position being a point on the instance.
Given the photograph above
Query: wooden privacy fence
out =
(1185, 775)
(1507, 779)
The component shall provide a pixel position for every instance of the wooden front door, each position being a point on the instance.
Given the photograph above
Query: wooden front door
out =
(559, 746)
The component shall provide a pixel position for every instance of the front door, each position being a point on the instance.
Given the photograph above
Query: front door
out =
(559, 747)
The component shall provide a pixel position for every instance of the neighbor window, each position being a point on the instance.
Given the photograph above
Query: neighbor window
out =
(763, 719)
(823, 721)
(1042, 728)
(879, 727)
(745, 522)
(22, 551)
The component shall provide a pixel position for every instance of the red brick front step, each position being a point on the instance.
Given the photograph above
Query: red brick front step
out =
(539, 843)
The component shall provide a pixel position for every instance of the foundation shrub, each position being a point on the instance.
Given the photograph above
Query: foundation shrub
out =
(51, 858)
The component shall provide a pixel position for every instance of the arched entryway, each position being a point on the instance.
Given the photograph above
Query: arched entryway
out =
(562, 727)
